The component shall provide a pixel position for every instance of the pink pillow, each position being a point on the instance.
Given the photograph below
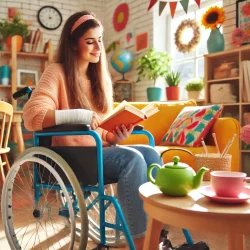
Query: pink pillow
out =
(191, 125)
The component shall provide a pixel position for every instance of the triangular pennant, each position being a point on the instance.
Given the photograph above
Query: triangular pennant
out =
(162, 6)
(172, 8)
(184, 4)
(198, 2)
(151, 4)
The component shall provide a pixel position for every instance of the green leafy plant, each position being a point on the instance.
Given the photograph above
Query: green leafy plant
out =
(152, 65)
(173, 78)
(195, 85)
(14, 27)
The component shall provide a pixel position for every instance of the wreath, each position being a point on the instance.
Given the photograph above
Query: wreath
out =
(185, 24)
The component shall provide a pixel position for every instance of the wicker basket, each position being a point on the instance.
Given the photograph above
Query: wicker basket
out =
(214, 162)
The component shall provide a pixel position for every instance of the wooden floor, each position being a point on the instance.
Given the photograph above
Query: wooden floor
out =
(215, 241)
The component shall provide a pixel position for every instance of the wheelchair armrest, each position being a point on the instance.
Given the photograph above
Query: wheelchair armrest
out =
(66, 128)
(138, 128)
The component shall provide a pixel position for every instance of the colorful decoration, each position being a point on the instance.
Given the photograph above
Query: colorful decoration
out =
(151, 4)
(122, 61)
(172, 8)
(213, 17)
(246, 9)
(185, 24)
(120, 17)
(184, 4)
(191, 125)
(162, 7)
(239, 36)
(172, 5)
(245, 134)
(141, 42)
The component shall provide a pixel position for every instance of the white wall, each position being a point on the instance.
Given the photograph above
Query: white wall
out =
(141, 20)
(230, 22)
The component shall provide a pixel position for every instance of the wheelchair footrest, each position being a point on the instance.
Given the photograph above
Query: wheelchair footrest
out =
(101, 247)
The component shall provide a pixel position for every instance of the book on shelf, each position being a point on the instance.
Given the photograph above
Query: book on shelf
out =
(127, 114)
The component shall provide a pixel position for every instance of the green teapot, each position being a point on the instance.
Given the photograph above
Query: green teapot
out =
(176, 178)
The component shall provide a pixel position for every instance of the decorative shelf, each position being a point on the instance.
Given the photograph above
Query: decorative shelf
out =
(224, 79)
(225, 104)
(245, 151)
(24, 54)
(23, 86)
(5, 86)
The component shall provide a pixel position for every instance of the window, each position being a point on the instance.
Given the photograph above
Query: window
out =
(191, 65)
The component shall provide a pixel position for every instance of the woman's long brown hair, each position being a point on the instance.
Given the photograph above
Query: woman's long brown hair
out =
(101, 85)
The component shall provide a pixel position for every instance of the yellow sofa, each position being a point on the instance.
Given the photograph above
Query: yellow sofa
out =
(159, 124)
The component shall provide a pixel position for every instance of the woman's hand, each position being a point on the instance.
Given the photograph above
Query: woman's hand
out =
(96, 121)
(119, 134)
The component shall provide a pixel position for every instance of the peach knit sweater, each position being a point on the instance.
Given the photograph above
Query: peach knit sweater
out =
(51, 94)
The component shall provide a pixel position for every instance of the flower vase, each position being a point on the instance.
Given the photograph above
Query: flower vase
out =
(215, 42)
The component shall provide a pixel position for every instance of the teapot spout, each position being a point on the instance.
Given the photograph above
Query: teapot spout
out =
(198, 177)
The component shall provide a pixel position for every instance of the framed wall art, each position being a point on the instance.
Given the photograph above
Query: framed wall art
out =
(243, 15)
(27, 77)
(123, 90)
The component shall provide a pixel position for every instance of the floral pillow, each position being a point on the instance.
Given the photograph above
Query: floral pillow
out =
(191, 125)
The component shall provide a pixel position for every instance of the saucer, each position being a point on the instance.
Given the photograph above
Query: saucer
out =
(209, 192)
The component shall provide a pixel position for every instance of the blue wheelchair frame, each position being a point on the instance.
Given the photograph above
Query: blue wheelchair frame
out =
(100, 188)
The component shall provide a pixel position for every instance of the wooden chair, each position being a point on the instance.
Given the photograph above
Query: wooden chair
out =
(6, 113)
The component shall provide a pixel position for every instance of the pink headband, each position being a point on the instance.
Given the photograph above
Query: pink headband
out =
(81, 20)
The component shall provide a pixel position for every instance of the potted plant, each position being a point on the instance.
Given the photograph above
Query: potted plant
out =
(152, 65)
(173, 90)
(194, 88)
(14, 27)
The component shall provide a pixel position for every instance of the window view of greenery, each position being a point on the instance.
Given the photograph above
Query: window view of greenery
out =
(191, 65)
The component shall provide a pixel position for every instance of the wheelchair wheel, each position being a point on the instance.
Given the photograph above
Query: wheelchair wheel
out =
(114, 238)
(33, 215)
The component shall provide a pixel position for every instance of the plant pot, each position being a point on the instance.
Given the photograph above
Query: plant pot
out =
(194, 95)
(173, 93)
(154, 94)
(19, 42)
(215, 42)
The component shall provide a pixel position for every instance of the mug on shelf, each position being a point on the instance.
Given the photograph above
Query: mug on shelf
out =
(5, 74)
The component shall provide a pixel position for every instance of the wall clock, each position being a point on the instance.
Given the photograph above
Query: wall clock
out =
(49, 17)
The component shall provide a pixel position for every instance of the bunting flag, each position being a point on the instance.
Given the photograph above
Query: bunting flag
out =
(172, 5)
(151, 4)
(162, 6)
(198, 2)
(184, 4)
(172, 8)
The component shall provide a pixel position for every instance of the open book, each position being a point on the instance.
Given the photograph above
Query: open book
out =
(127, 114)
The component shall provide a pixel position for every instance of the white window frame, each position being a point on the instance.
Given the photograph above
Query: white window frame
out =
(179, 13)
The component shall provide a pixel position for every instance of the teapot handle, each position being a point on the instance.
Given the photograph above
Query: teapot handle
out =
(150, 169)
(181, 149)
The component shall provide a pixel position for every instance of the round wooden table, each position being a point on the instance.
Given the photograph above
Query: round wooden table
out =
(194, 212)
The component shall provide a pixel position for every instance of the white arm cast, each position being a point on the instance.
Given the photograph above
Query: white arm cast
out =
(73, 116)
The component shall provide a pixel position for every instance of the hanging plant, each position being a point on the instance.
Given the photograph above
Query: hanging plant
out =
(187, 47)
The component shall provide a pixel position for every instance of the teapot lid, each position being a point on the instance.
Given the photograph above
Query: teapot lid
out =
(176, 164)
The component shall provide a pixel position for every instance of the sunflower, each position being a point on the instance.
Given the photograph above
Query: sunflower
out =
(213, 17)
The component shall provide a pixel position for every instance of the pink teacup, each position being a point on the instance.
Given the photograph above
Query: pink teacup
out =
(228, 184)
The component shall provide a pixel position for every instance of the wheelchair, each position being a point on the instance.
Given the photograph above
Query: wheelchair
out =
(45, 206)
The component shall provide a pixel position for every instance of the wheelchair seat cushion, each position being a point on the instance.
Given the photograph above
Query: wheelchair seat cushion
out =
(82, 160)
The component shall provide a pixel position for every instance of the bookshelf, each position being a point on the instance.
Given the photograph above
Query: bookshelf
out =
(237, 107)
(13, 56)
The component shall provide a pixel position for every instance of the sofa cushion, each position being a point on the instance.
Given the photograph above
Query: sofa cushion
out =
(159, 123)
(191, 125)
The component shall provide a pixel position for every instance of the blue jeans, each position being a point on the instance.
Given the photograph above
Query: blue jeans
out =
(127, 165)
